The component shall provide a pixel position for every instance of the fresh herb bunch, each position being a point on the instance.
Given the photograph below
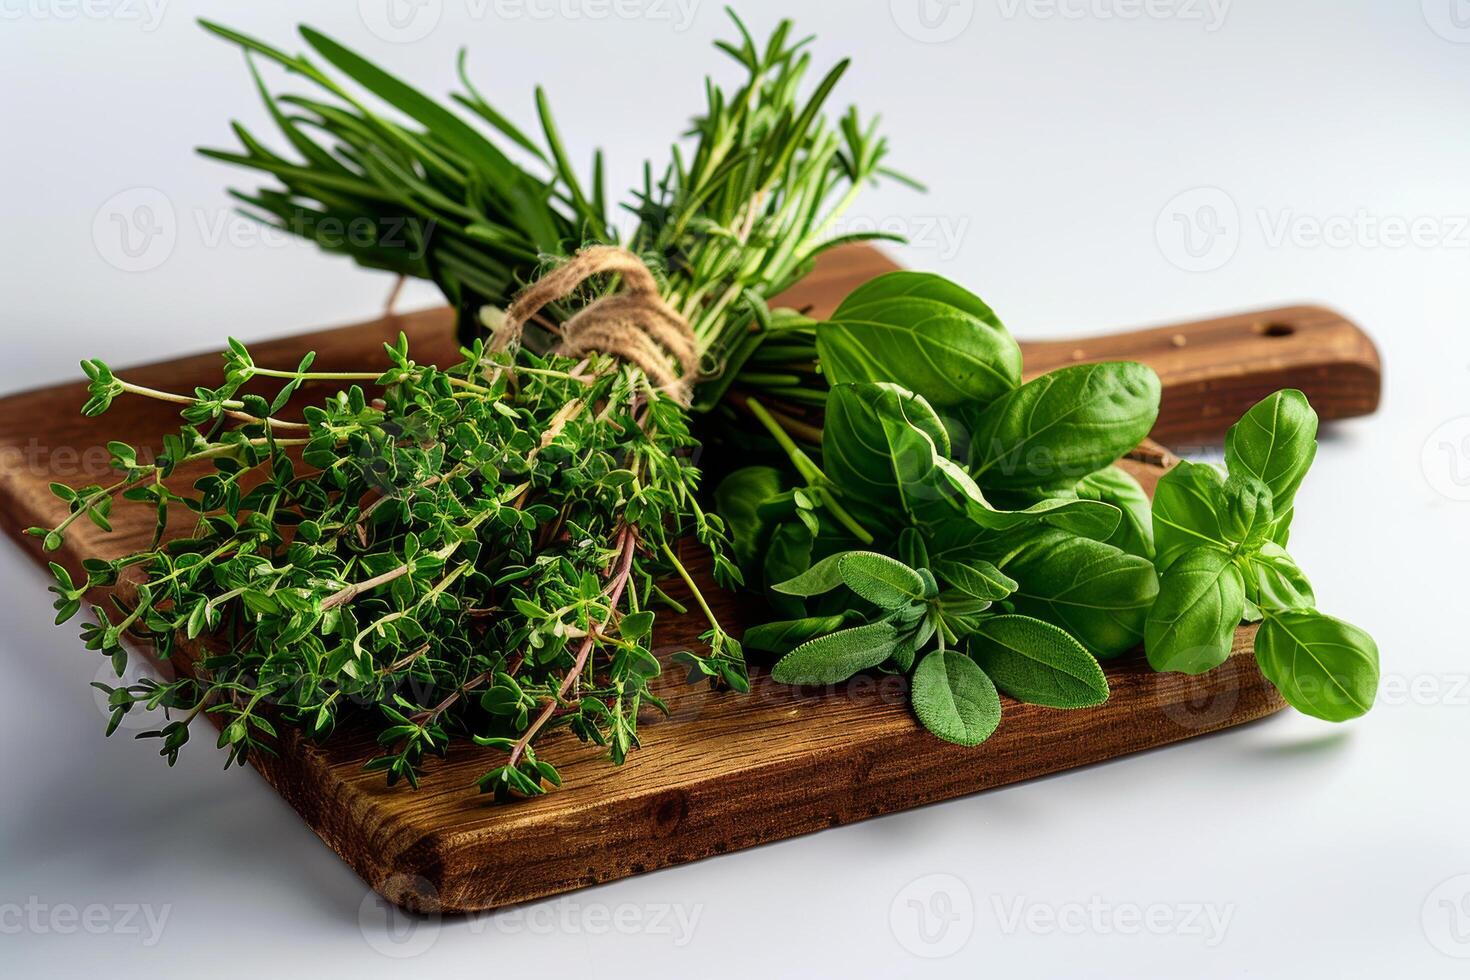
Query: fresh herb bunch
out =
(951, 522)
(1222, 557)
(472, 549)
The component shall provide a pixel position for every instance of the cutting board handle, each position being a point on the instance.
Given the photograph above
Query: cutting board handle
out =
(1213, 370)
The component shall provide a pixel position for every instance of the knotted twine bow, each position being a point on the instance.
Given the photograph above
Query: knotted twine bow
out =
(634, 325)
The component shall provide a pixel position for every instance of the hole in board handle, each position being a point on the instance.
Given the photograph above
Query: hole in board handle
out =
(1274, 328)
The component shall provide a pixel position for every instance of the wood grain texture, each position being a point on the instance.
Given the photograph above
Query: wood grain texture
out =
(722, 772)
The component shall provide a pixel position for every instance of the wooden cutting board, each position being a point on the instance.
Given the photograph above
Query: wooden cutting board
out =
(723, 771)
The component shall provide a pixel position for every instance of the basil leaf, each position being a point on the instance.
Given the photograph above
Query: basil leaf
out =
(1057, 428)
(1096, 592)
(783, 636)
(880, 446)
(738, 499)
(1135, 531)
(1274, 582)
(1184, 512)
(954, 699)
(1275, 442)
(1322, 666)
(1191, 627)
(881, 580)
(788, 555)
(975, 578)
(1245, 510)
(822, 577)
(837, 656)
(924, 333)
(1038, 663)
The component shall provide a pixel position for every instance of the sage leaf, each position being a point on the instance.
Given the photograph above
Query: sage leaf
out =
(1191, 626)
(1322, 666)
(954, 699)
(1057, 428)
(1275, 441)
(1185, 513)
(925, 333)
(1113, 485)
(1038, 663)
(837, 656)
(883, 581)
(1098, 593)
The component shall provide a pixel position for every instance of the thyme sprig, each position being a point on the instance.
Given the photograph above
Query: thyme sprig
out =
(471, 550)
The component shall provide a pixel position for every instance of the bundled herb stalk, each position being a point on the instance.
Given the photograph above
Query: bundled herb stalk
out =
(951, 522)
(472, 549)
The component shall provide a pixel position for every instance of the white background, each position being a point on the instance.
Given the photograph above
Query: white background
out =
(1056, 140)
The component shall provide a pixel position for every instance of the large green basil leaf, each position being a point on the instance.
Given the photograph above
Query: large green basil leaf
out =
(837, 656)
(784, 636)
(1275, 442)
(1112, 485)
(1191, 627)
(924, 333)
(1184, 512)
(954, 699)
(787, 556)
(738, 499)
(1274, 582)
(1098, 593)
(1324, 667)
(1057, 428)
(880, 444)
(1038, 663)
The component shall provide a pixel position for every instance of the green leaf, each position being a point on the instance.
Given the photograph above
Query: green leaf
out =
(785, 635)
(1275, 441)
(881, 445)
(822, 577)
(924, 333)
(1322, 666)
(1096, 592)
(837, 656)
(635, 626)
(1274, 582)
(1113, 485)
(1191, 627)
(1245, 510)
(883, 581)
(1185, 512)
(1057, 428)
(1038, 663)
(738, 499)
(975, 577)
(954, 699)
